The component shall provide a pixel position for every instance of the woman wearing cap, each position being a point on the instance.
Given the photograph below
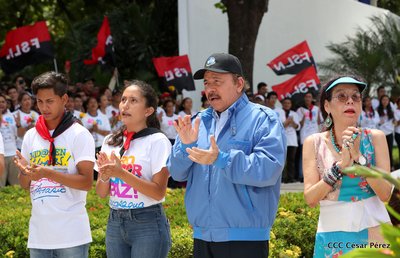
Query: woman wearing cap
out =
(351, 207)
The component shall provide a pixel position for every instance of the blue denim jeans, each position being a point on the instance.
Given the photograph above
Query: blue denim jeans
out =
(138, 233)
(81, 251)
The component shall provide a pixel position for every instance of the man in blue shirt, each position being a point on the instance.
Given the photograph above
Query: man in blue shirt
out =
(232, 156)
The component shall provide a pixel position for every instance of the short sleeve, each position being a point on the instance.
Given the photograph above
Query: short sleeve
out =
(27, 144)
(159, 153)
(83, 147)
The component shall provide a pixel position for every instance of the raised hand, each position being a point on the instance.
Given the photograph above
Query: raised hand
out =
(187, 133)
(205, 157)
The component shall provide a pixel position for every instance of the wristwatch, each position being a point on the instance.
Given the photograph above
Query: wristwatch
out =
(362, 160)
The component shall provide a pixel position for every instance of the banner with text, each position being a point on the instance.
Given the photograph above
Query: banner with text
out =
(175, 71)
(295, 88)
(25, 46)
(293, 60)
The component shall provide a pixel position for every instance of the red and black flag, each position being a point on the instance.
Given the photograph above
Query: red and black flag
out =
(103, 52)
(295, 88)
(293, 60)
(25, 46)
(175, 71)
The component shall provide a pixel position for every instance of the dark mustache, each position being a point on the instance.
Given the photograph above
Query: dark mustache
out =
(212, 95)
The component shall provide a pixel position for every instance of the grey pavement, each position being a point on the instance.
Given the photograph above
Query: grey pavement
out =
(292, 187)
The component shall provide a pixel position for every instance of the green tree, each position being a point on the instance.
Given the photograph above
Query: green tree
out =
(141, 30)
(244, 18)
(372, 53)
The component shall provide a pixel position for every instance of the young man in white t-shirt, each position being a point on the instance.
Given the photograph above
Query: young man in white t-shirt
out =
(56, 164)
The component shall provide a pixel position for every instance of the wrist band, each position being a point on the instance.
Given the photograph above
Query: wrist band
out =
(105, 181)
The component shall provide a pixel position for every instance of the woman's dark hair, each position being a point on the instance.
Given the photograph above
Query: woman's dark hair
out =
(364, 107)
(182, 106)
(323, 95)
(51, 80)
(86, 104)
(164, 105)
(116, 138)
(381, 109)
(22, 94)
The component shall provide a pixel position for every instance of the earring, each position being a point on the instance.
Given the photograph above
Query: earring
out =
(328, 121)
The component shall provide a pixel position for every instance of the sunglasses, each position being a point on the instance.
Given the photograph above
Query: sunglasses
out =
(343, 97)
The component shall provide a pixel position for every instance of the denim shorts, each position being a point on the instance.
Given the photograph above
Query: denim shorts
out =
(140, 233)
(81, 251)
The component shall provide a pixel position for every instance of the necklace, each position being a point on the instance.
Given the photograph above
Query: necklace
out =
(333, 140)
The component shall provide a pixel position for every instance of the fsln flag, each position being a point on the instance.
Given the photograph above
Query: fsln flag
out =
(103, 52)
(295, 88)
(175, 71)
(25, 46)
(293, 60)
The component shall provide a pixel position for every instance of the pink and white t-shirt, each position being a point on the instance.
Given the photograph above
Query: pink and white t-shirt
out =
(145, 157)
(102, 123)
(26, 119)
(167, 125)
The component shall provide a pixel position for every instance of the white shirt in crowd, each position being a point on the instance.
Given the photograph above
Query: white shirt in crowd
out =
(167, 125)
(386, 124)
(369, 120)
(311, 120)
(59, 218)
(375, 104)
(8, 130)
(78, 114)
(397, 118)
(111, 112)
(145, 157)
(26, 119)
(102, 123)
(291, 134)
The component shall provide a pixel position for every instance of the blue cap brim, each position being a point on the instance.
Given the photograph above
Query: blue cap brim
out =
(347, 80)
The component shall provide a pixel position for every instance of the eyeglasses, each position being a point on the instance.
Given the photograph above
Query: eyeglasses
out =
(342, 97)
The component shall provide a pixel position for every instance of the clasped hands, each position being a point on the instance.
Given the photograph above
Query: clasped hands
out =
(109, 166)
(350, 147)
(188, 134)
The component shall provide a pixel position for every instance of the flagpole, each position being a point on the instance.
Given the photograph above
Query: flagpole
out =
(55, 65)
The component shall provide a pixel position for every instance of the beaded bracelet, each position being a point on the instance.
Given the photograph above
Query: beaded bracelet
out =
(332, 175)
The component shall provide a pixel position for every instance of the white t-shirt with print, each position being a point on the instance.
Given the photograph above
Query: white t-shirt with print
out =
(145, 157)
(8, 130)
(102, 123)
(310, 125)
(59, 218)
(167, 125)
(26, 119)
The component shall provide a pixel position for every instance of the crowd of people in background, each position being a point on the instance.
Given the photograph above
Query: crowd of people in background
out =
(97, 109)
